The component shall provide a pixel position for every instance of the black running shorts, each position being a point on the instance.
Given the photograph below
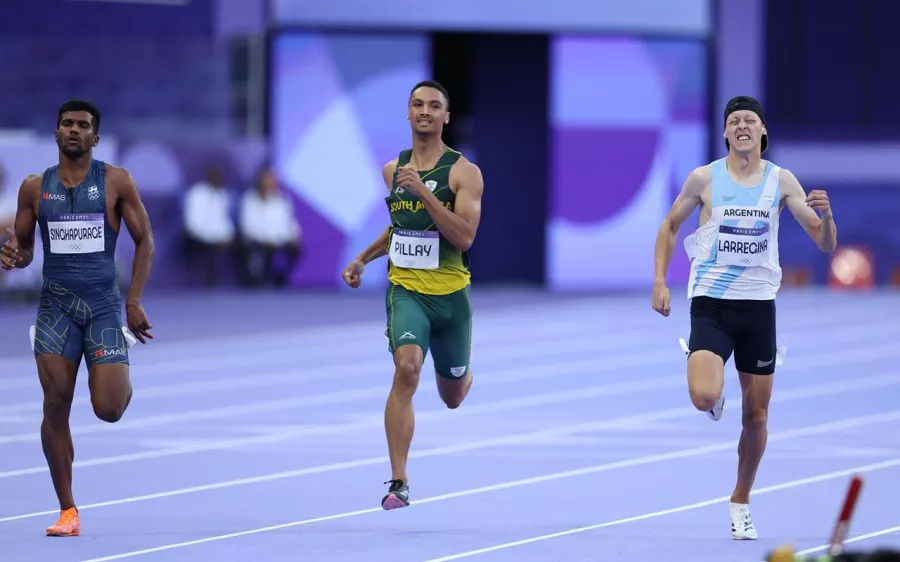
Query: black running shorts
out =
(743, 327)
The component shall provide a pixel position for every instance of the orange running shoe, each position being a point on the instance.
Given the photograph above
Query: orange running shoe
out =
(69, 524)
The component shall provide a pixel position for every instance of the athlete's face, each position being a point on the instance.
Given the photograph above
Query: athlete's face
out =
(75, 134)
(428, 110)
(744, 131)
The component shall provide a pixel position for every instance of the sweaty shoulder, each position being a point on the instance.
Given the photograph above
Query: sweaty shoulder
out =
(118, 175)
(31, 186)
(788, 182)
(467, 172)
(118, 178)
(30, 190)
(698, 181)
(388, 173)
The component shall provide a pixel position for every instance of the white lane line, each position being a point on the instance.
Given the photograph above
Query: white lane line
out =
(495, 323)
(312, 370)
(795, 433)
(323, 340)
(566, 396)
(500, 486)
(851, 540)
(350, 368)
(847, 385)
(360, 360)
(767, 489)
(611, 362)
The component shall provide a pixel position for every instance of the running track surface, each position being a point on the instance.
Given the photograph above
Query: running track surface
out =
(256, 433)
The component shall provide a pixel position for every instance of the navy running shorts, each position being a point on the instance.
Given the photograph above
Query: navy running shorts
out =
(68, 325)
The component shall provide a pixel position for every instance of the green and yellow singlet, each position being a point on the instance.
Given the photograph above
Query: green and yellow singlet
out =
(421, 259)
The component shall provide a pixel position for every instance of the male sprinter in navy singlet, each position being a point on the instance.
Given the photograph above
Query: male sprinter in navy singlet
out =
(79, 205)
(735, 275)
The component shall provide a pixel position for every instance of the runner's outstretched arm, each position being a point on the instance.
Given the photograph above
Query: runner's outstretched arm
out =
(376, 249)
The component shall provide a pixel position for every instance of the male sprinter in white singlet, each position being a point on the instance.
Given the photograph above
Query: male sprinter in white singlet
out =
(735, 275)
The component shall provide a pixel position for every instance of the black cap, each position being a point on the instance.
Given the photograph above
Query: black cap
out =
(740, 103)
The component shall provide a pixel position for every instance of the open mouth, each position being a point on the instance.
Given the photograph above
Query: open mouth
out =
(423, 121)
(743, 137)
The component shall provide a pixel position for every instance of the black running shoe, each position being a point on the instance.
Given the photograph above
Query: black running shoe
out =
(397, 496)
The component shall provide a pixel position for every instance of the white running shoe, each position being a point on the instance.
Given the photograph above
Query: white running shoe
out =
(742, 528)
(716, 413)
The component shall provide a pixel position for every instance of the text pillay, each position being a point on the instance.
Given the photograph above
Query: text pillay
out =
(415, 249)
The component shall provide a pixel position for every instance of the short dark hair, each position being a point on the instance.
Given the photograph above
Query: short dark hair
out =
(432, 84)
(79, 105)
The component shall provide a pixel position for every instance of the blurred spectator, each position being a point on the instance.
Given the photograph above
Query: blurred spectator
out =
(269, 230)
(209, 228)
(8, 203)
(7, 215)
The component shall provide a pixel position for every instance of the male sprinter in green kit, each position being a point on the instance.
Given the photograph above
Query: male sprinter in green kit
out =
(435, 207)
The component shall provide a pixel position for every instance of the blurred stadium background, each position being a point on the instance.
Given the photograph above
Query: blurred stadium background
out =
(584, 117)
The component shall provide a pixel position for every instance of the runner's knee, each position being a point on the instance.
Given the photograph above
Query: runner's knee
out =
(57, 376)
(705, 379)
(754, 417)
(108, 410)
(110, 406)
(111, 390)
(57, 402)
(757, 392)
(407, 366)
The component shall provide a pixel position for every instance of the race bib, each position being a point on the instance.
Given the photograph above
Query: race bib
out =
(742, 246)
(76, 233)
(415, 249)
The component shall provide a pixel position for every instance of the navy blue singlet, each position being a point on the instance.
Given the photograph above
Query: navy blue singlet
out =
(80, 306)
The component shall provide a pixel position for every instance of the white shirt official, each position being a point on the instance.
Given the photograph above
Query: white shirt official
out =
(206, 214)
(269, 219)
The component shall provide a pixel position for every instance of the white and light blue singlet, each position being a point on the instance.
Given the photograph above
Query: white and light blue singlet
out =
(735, 254)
